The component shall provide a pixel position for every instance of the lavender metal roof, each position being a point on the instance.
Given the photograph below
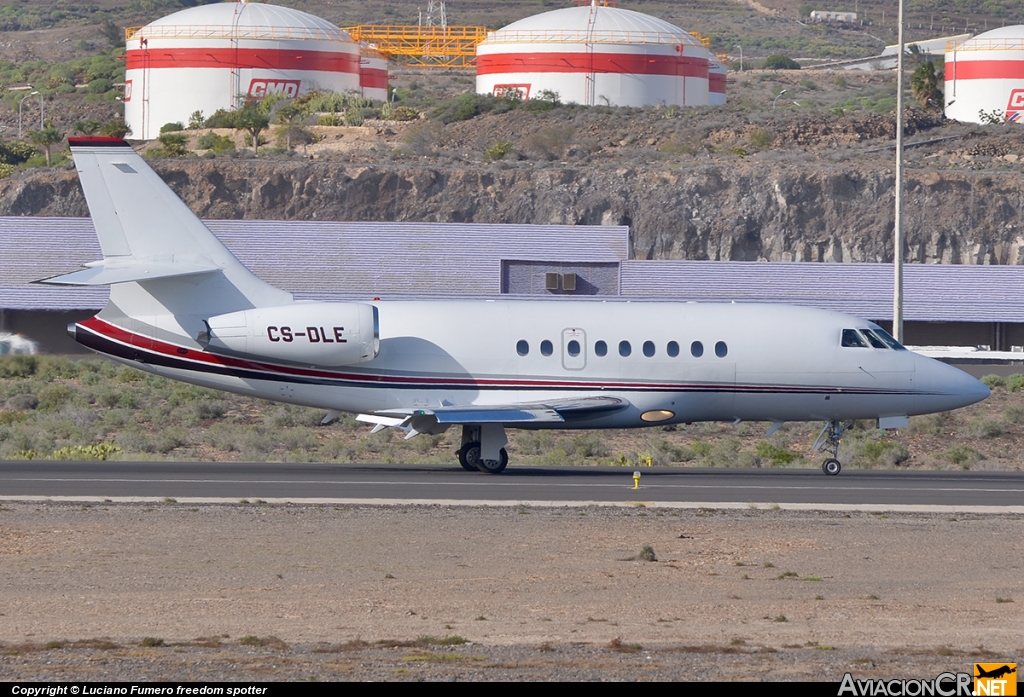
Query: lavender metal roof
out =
(339, 260)
(315, 258)
(932, 292)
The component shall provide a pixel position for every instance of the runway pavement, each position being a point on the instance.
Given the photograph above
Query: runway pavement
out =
(309, 483)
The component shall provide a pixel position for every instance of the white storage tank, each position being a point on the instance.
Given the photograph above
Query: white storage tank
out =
(215, 56)
(716, 81)
(373, 74)
(985, 77)
(595, 55)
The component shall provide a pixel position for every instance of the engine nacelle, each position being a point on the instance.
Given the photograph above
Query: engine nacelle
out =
(328, 334)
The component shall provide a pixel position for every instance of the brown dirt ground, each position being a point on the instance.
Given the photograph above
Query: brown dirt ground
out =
(285, 592)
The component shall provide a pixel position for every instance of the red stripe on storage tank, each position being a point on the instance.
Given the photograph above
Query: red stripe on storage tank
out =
(638, 64)
(251, 58)
(374, 78)
(984, 70)
(716, 83)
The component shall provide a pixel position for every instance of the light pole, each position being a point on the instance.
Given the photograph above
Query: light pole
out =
(740, 47)
(775, 101)
(897, 261)
(20, 105)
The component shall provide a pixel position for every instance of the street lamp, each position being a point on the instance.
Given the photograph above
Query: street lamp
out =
(33, 87)
(775, 101)
(740, 47)
(20, 105)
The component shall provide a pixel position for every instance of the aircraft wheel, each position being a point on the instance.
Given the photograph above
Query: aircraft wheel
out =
(469, 466)
(491, 466)
(831, 466)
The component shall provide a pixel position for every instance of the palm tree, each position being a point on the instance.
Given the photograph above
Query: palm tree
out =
(88, 127)
(924, 82)
(47, 138)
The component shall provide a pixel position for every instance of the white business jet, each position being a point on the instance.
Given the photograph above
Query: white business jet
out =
(182, 306)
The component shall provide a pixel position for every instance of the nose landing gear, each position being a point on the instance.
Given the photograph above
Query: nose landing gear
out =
(828, 442)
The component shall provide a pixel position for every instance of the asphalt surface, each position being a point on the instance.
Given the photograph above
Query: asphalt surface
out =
(564, 485)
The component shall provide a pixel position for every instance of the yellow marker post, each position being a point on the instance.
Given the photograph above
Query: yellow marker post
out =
(636, 479)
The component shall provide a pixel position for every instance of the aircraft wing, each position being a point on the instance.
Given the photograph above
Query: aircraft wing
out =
(550, 411)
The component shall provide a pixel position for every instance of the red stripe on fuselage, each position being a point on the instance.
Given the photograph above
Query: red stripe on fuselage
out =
(639, 64)
(245, 58)
(272, 372)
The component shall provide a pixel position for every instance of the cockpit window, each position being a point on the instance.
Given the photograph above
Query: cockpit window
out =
(875, 341)
(853, 339)
(887, 338)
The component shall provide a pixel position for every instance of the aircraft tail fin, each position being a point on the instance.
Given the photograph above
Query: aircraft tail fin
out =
(148, 235)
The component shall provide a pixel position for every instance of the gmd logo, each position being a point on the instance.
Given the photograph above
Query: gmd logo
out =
(260, 88)
(1015, 107)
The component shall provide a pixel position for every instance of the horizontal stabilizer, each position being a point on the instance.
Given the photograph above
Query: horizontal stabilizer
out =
(124, 270)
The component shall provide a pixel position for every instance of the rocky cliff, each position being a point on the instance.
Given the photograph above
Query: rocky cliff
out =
(738, 210)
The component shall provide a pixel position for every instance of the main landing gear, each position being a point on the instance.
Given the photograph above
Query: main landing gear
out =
(482, 449)
(828, 442)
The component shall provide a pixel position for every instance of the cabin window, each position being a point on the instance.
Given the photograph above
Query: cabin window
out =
(573, 348)
(853, 339)
(546, 348)
(649, 348)
(672, 349)
(600, 349)
(523, 347)
(696, 349)
(721, 350)
(625, 349)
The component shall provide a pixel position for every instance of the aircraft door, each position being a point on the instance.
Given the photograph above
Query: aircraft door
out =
(574, 349)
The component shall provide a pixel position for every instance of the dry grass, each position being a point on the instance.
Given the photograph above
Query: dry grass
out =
(94, 408)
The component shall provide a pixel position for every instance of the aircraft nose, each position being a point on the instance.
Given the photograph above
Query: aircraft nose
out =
(952, 387)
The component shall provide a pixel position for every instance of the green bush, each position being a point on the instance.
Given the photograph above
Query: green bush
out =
(100, 85)
(544, 100)
(18, 366)
(172, 127)
(1014, 383)
(986, 428)
(498, 150)
(774, 454)
(222, 119)
(962, 455)
(778, 61)
(994, 381)
(404, 113)
(215, 143)
(761, 138)
(174, 144)
(882, 452)
(15, 153)
(96, 451)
